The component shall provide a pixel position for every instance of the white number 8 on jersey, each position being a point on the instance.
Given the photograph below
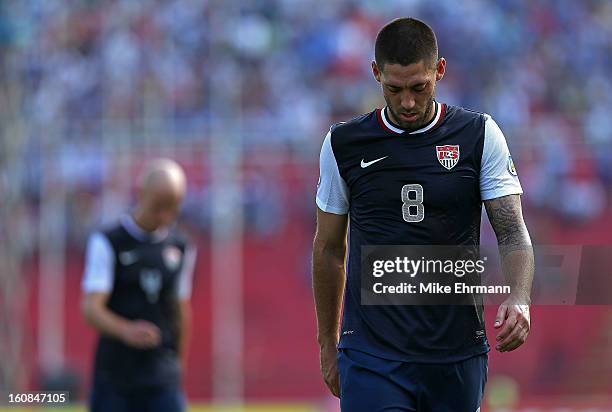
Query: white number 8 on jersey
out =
(409, 203)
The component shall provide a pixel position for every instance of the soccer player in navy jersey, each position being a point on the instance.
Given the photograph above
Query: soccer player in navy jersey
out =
(136, 294)
(413, 173)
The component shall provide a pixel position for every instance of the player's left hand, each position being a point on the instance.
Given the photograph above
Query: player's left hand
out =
(329, 368)
(513, 323)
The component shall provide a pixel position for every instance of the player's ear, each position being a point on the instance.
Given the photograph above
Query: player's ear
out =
(440, 68)
(375, 71)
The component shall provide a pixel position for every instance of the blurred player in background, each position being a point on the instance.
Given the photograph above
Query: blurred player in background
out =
(413, 173)
(136, 287)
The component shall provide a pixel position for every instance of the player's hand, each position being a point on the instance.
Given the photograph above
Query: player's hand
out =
(141, 334)
(329, 368)
(513, 323)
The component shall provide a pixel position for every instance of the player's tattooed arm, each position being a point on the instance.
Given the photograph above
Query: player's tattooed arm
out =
(516, 252)
(515, 248)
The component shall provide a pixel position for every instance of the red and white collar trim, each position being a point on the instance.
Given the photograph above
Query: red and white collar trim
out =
(439, 110)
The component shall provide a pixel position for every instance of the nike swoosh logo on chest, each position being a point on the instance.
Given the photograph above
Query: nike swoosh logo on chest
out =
(365, 164)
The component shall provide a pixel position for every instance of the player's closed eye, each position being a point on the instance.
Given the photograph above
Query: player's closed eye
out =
(393, 89)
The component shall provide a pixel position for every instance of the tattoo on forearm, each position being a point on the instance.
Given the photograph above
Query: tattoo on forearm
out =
(507, 221)
(514, 244)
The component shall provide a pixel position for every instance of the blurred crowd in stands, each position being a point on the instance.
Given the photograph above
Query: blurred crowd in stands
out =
(83, 75)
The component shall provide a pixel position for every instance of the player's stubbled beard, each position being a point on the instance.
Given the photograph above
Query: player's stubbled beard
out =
(409, 126)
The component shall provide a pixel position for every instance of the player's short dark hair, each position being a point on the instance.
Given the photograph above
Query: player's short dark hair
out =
(406, 41)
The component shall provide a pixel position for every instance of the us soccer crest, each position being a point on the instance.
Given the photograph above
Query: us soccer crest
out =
(172, 257)
(448, 155)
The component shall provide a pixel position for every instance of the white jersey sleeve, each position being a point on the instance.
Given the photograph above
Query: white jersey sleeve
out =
(99, 265)
(186, 276)
(497, 172)
(332, 191)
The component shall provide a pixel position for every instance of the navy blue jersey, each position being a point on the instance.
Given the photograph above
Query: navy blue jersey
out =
(424, 187)
(145, 275)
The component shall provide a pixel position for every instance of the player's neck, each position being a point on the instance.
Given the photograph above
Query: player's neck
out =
(142, 222)
(396, 123)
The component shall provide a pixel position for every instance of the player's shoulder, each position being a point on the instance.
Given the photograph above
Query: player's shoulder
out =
(107, 234)
(179, 238)
(363, 124)
(109, 230)
(460, 113)
(465, 122)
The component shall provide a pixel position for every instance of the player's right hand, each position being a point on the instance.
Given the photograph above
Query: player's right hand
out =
(329, 368)
(141, 334)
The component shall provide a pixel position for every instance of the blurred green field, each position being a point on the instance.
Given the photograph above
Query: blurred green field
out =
(191, 408)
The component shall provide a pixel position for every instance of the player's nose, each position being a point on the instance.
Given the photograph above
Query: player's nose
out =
(407, 101)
